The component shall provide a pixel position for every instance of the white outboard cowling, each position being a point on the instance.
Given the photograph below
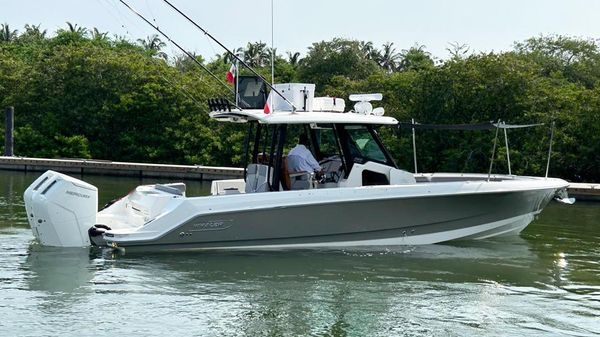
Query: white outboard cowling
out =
(61, 209)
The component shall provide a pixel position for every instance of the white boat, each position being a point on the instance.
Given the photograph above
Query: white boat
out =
(362, 199)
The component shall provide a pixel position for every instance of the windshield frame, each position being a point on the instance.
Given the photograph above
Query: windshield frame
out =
(346, 139)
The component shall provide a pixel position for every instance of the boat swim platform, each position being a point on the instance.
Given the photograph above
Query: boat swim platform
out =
(107, 167)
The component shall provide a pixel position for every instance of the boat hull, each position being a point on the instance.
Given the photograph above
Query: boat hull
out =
(400, 220)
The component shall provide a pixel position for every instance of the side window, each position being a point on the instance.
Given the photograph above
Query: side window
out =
(363, 146)
(327, 143)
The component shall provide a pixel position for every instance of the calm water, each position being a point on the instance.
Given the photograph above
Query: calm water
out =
(544, 283)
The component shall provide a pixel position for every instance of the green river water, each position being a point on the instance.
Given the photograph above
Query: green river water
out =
(545, 282)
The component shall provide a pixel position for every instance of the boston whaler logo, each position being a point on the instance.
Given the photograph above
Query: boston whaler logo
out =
(77, 194)
(211, 225)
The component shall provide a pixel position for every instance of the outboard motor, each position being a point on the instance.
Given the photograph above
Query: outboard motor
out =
(61, 209)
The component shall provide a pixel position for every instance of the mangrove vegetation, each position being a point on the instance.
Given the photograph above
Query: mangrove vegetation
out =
(81, 93)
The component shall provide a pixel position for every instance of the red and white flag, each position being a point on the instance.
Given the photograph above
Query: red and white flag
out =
(230, 77)
(267, 109)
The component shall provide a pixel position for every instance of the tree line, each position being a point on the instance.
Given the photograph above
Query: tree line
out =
(82, 93)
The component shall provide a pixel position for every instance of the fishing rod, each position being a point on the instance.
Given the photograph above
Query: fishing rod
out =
(230, 53)
(180, 48)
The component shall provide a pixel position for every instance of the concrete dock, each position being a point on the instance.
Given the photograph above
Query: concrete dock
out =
(105, 167)
(584, 191)
(580, 191)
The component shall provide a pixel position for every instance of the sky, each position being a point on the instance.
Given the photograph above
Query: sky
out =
(484, 26)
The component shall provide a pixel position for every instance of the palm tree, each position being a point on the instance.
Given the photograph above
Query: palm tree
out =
(415, 58)
(369, 51)
(228, 58)
(294, 58)
(154, 44)
(256, 54)
(81, 31)
(34, 31)
(389, 58)
(185, 62)
(7, 35)
(98, 35)
(271, 52)
(457, 50)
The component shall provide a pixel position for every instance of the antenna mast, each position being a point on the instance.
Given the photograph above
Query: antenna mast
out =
(272, 46)
(272, 54)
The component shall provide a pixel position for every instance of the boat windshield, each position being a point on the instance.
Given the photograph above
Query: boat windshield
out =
(363, 146)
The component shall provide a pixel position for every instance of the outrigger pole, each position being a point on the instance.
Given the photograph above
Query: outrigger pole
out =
(230, 53)
(180, 48)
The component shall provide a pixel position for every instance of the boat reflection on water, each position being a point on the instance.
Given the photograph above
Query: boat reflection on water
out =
(74, 271)
(464, 286)
(510, 260)
(60, 277)
(333, 293)
(58, 270)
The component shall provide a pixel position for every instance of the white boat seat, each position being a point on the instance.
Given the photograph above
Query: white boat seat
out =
(227, 186)
(301, 180)
(257, 178)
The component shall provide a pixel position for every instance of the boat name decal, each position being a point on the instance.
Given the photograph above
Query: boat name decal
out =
(77, 194)
(211, 225)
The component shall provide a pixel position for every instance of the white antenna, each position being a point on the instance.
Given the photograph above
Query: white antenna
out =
(237, 83)
(550, 149)
(414, 145)
(272, 55)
